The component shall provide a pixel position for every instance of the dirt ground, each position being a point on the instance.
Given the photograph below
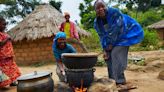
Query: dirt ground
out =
(144, 77)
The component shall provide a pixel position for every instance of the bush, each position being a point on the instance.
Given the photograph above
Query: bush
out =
(151, 39)
(100, 62)
(137, 62)
(92, 42)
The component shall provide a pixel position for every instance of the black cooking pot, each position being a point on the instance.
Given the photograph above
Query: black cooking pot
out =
(36, 82)
(79, 60)
(80, 77)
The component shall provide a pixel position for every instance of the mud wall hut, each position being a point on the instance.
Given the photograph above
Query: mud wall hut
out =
(33, 37)
(159, 26)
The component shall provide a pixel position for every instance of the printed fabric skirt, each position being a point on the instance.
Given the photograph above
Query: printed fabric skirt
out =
(10, 69)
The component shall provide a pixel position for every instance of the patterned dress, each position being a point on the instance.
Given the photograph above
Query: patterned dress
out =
(7, 63)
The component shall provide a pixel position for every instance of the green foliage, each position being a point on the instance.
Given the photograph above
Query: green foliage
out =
(155, 3)
(92, 42)
(87, 14)
(20, 8)
(88, 20)
(8, 2)
(143, 5)
(101, 62)
(140, 5)
(140, 63)
(148, 17)
(161, 9)
(56, 4)
(151, 39)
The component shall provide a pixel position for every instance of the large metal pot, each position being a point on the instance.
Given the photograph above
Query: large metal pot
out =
(36, 82)
(80, 77)
(79, 60)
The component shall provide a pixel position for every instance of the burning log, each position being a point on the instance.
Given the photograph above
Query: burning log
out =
(81, 89)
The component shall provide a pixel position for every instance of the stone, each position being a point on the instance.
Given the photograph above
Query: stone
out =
(161, 75)
(99, 85)
(62, 87)
(156, 63)
(133, 67)
(103, 85)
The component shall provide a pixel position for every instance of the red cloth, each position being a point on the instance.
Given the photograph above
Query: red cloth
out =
(73, 31)
(7, 64)
(6, 50)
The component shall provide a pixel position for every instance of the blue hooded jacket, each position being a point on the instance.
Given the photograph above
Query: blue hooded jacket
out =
(122, 29)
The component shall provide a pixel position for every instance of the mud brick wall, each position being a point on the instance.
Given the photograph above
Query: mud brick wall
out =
(161, 33)
(31, 52)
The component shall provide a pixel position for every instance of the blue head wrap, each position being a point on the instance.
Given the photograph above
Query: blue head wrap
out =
(59, 35)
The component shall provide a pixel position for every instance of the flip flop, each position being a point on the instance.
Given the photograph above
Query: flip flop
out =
(121, 87)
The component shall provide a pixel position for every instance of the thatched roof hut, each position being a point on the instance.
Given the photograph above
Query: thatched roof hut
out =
(159, 26)
(33, 37)
(42, 22)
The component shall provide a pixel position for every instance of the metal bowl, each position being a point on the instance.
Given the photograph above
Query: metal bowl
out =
(79, 60)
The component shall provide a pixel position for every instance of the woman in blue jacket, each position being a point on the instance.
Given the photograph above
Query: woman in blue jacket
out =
(117, 32)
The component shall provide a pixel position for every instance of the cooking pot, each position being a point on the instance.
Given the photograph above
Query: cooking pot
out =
(79, 60)
(80, 77)
(36, 82)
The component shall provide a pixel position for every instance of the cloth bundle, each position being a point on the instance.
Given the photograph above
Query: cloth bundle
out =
(3, 76)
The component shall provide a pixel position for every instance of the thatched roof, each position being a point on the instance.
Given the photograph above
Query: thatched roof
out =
(44, 21)
(157, 25)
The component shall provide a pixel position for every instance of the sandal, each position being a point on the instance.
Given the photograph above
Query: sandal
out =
(121, 87)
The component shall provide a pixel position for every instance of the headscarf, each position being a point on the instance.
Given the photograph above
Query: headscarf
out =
(59, 35)
(66, 14)
(99, 1)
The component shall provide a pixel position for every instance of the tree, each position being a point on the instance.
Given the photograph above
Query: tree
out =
(56, 4)
(155, 3)
(141, 5)
(87, 14)
(149, 17)
(20, 8)
(7, 1)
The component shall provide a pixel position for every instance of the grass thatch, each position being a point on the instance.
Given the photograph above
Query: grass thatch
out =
(44, 21)
(157, 25)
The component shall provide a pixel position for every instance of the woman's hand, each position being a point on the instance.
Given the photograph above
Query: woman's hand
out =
(61, 66)
(105, 56)
(110, 47)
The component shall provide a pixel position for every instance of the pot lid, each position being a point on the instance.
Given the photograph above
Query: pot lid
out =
(34, 75)
(79, 54)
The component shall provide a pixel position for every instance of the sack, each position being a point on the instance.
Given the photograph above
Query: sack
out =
(3, 76)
